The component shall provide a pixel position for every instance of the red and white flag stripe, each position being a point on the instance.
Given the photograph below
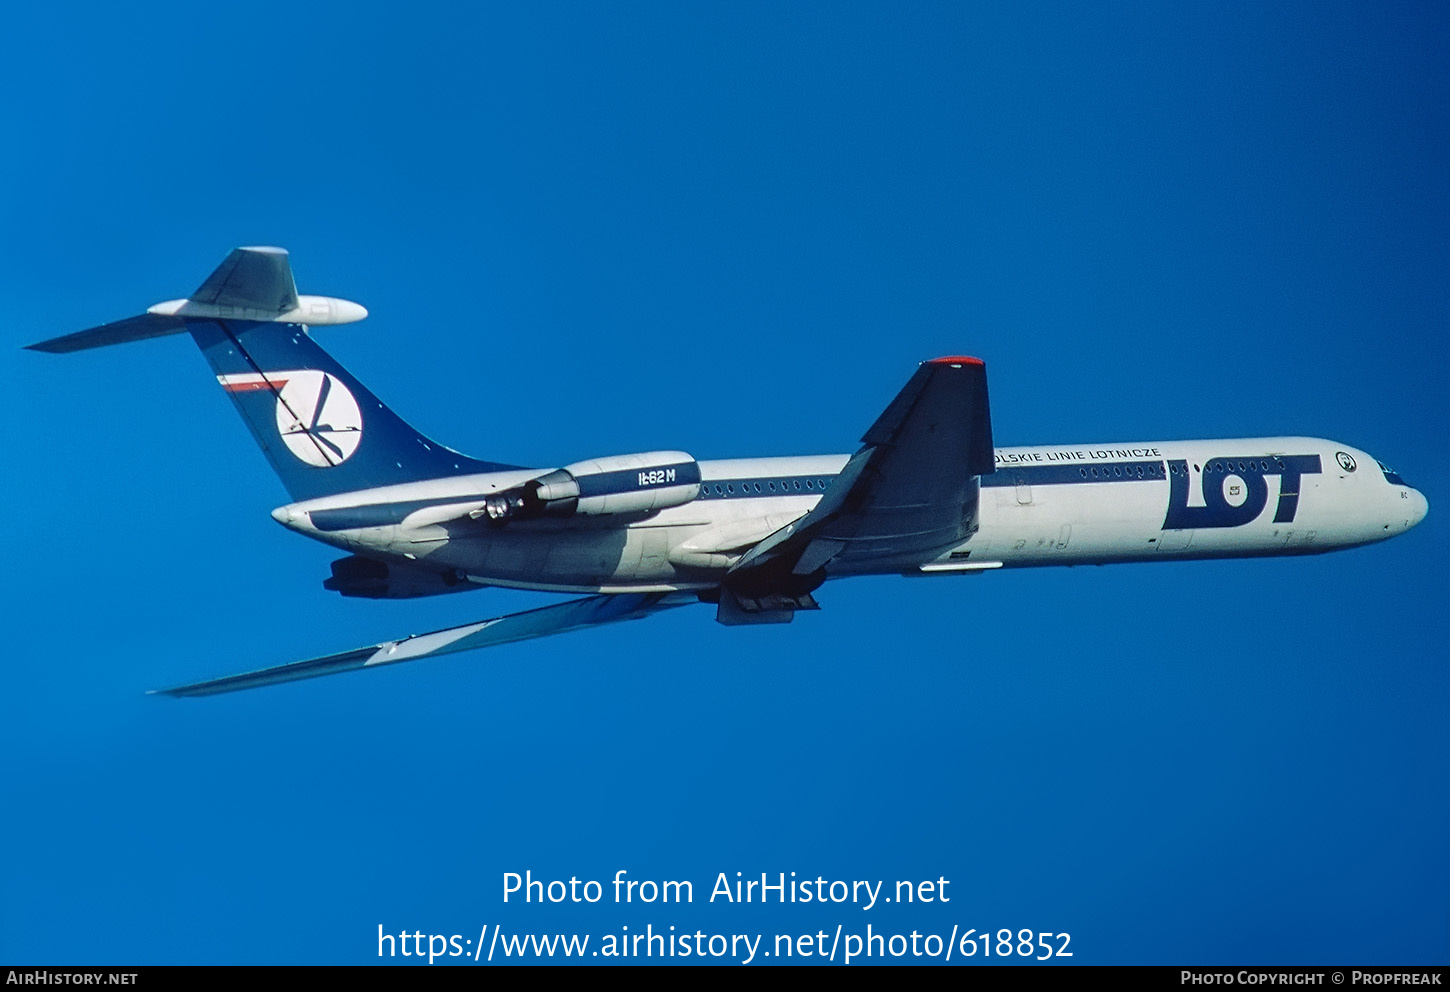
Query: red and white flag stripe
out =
(251, 381)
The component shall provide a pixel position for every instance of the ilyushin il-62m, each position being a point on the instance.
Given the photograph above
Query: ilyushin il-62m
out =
(926, 493)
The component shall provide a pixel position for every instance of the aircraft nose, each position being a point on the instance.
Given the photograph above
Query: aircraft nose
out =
(1419, 506)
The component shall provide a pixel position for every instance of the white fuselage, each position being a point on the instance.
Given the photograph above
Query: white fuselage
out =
(1044, 505)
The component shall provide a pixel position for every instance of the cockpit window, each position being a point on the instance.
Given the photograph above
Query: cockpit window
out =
(1391, 476)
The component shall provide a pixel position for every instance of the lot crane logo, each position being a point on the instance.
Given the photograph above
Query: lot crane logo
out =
(317, 416)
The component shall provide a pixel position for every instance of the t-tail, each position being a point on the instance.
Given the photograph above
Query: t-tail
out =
(322, 430)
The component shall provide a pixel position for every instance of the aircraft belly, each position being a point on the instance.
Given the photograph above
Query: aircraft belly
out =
(580, 558)
(692, 545)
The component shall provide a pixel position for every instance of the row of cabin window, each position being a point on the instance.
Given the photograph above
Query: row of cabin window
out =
(1245, 466)
(1133, 471)
(1249, 466)
(786, 486)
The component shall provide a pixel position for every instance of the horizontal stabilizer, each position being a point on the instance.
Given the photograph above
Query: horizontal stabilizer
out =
(148, 325)
(252, 284)
(556, 619)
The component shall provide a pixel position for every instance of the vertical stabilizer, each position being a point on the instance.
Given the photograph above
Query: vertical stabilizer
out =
(322, 431)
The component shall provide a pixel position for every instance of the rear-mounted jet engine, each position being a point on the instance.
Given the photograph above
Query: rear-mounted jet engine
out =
(619, 484)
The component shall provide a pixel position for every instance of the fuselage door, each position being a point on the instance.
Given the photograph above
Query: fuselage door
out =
(1024, 490)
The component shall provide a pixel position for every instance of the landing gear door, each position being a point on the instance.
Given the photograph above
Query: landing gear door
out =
(1175, 540)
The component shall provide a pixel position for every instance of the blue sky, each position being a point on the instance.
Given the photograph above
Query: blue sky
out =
(731, 229)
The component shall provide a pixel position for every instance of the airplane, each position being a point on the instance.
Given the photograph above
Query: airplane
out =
(927, 493)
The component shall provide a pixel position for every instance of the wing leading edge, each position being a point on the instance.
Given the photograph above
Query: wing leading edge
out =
(557, 619)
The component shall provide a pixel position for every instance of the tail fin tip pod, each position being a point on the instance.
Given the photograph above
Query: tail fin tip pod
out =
(309, 415)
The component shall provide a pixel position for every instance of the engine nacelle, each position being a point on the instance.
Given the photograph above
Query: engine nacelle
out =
(369, 578)
(619, 484)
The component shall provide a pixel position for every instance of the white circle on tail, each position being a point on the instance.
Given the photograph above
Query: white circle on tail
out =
(318, 418)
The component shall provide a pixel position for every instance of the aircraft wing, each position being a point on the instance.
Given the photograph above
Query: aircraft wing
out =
(571, 615)
(911, 488)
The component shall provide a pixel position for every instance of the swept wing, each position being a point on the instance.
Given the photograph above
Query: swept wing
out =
(910, 489)
(571, 615)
